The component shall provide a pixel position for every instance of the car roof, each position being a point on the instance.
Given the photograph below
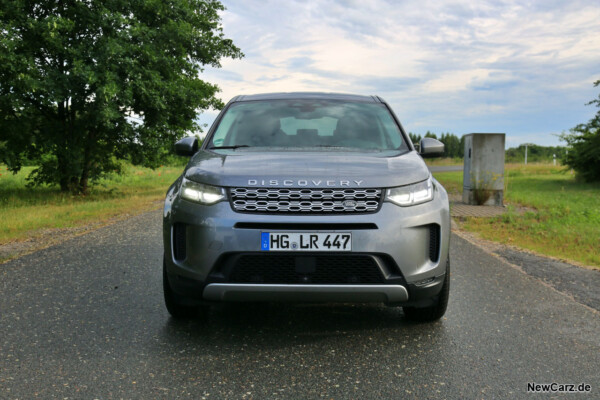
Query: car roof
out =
(308, 95)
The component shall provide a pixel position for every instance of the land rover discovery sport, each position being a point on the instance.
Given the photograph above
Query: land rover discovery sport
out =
(307, 197)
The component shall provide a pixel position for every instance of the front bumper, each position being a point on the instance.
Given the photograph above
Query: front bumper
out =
(397, 238)
(307, 293)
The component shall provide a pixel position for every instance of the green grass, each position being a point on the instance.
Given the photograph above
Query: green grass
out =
(563, 217)
(443, 161)
(563, 221)
(452, 181)
(26, 212)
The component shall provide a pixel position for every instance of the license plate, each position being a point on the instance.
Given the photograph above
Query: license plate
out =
(302, 241)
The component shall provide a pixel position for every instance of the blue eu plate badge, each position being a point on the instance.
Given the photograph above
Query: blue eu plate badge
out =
(264, 241)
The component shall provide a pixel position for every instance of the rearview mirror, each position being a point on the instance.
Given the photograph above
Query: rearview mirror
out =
(430, 147)
(188, 146)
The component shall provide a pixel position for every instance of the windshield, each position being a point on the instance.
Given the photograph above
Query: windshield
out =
(308, 123)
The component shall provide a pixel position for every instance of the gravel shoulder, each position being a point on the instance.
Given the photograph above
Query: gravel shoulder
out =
(41, 239)
(581, 283)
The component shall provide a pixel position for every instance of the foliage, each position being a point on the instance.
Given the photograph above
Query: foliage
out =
(86, 84)
(481, 194)
(415, 138)
(453, 146)
(484, 187)
(584, 146)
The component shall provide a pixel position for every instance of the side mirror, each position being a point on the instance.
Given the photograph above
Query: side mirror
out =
(430, 147)
(188, 146)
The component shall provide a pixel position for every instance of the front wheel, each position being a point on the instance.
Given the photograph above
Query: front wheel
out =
(174, 303)
(437, 310)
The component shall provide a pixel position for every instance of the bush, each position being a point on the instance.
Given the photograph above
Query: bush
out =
(584, 147)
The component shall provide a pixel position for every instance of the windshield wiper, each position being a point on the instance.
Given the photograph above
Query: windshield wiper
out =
(228, 147)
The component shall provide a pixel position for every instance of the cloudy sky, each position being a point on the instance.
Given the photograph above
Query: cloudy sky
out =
(522, 68)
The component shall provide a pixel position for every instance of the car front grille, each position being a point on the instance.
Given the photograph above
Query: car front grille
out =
(287, 200)
(314, 269)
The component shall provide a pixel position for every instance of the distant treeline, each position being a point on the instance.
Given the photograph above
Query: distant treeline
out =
(535, 153)
(454, 148)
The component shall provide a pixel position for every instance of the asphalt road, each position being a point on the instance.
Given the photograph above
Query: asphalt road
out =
(85, 319)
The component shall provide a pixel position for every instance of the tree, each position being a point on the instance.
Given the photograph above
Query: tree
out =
(584, 146)
(84, 84)
(451, 144)
(414, 137)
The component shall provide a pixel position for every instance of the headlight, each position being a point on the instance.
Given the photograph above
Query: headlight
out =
(201, 193)
(410, 195)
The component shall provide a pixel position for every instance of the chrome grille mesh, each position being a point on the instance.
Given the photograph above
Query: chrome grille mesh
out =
(288, 200)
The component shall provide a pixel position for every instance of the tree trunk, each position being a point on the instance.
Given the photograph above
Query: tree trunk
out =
(87, 162)
(63, 173)
(62, 153)
(83, 181)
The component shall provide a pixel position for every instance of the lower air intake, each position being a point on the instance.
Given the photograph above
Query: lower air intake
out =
(179, 241)
(317, 269)
(434, 242)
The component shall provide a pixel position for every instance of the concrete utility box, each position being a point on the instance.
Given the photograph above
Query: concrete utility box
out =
(483, 173)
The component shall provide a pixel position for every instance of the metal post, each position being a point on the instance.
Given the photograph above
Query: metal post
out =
(554, 159)
(525, 154)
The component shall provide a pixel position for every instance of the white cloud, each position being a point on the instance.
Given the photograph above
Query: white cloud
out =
(443, 65)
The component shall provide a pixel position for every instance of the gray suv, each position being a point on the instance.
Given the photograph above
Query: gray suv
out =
(309, 197)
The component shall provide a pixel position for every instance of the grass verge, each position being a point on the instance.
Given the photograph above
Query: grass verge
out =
(446, 161)
(564, 220)
(27, 213)
(564, 216)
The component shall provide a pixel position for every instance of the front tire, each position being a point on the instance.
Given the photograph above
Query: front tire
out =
(437, 310)
(173, 302)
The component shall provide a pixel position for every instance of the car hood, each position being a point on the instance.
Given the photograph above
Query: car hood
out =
(310, 169)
